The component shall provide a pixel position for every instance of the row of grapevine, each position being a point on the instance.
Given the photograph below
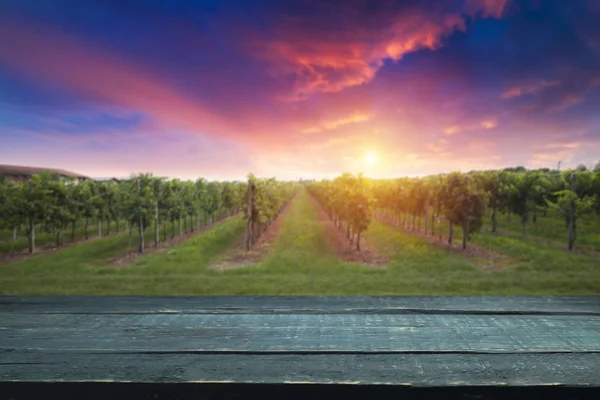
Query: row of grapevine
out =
(52, 205)
(461, 199)
(528, 194)
(265, 201)
(348, 201)
(455, 197)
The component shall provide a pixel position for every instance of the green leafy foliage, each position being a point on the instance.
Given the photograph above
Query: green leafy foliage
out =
(349, 201)
(143, 200)
(265, 199)
(459, 199)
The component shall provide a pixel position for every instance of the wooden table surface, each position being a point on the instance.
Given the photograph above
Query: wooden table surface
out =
(399, 341)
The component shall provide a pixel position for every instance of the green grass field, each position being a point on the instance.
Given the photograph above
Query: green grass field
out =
(300, 262)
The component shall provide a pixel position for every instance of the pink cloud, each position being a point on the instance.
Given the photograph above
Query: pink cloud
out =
(489, 123)
(566, 145)
(334, 124)
(530, 88)
(326, 61)
(568, 101)
(488, 8)
(451, 130)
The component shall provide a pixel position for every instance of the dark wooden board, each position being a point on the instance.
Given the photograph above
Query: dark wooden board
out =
(258, 333)
(584, 305)
(418, 342)
(416, 370)
(299, 391)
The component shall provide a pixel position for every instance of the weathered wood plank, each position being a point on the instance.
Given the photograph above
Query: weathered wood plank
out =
(291, 333)
(303, 304)
(297, 391)
(416, 342)
(416, 370)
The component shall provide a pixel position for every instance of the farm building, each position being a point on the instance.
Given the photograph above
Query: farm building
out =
(104, 179)
(17, 173)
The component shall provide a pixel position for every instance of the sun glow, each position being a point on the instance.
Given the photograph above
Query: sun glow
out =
(370, 158)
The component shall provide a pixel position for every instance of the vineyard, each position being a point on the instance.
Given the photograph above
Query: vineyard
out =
(50, 206)
(495, 232)
(462, 200)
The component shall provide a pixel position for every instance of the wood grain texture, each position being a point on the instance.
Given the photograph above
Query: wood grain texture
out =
(314, 333)
(416, 370)
(487, 305)
(402, 341)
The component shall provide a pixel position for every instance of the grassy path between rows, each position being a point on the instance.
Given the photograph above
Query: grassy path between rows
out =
(300, 262)
(535, 256)
(548, 231)
(552, 230)
(44, 240)
(86, 268)
(538, 270)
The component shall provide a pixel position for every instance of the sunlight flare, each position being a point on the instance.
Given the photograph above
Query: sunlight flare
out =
(370, 158)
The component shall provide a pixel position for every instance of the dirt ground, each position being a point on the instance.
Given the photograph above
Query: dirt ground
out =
(344, 249)
(238, 257)
(480, 257)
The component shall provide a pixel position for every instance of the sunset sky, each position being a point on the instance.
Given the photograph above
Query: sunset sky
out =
(298, 88)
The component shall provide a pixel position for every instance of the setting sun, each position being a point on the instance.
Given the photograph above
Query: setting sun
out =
(370, 158)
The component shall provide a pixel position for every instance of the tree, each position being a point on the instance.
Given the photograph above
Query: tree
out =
(348, 200)
(462, 205)
(213, 203)
(34, 202)
(50, 203)
(99, 201)
(88, 207)
(523, 196)
(76, 203)
(177, 205)
(57, 214)
(141, 205)
(160, 195)
(11, 209)
(575, 200)
(111, 199)
(200, 197)
(264, 200)
(361, 202)
(189, 196)
(494, 185)
(229, 196)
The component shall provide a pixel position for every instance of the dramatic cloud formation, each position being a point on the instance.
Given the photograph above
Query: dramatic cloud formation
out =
(298, 88)
(328, 59)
